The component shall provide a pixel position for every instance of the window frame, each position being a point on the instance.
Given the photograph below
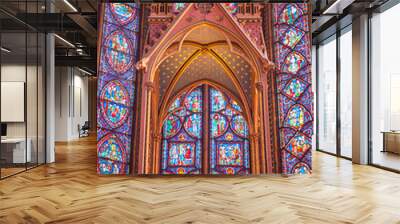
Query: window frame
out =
(334, 37)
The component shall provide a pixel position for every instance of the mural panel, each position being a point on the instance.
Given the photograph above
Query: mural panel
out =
(205, 121)
(182, 134)
(228, 134)
(118, 46)
(293, 74)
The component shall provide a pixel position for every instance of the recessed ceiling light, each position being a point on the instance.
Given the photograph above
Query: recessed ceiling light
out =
(65, 41)
(5, 50)
(70, 5)
(84, 71)
(338, 6)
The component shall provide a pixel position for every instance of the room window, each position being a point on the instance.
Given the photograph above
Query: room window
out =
(346, 93)
(327, 96)
(385, 90)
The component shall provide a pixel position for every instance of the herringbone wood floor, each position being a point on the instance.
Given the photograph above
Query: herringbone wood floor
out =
(70, 191)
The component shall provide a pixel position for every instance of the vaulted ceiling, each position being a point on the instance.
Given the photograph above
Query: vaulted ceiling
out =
(212, 62)
(205, 66)
(206, 51)
(205, 34)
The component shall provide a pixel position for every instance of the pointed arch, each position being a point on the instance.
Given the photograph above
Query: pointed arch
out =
(253, 56)
(221, 20)
(176, 62)
(225, 67)
(167, 104)
(204, 131)
(201, 25)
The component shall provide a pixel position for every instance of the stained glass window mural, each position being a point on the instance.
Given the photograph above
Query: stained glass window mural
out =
(229, 134)
(183, 134)
(295, 99)
(118, 46)
(232, 8)
(178, 7)
(204, 128)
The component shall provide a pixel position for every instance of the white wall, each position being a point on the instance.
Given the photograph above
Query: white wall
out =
(71, 102)
(33, 126)
(80, 112)
(9, 73)
(62, 83)
(16, 73)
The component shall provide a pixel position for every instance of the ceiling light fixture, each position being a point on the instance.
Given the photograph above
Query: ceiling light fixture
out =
(65, 41)
(5, 50)
(326, 11)
(70, 5)
(337, 7)
(84, 71)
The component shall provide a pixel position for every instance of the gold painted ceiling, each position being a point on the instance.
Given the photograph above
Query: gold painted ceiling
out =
(205, 66)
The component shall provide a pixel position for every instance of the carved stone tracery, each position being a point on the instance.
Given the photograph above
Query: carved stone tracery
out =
(249, 17)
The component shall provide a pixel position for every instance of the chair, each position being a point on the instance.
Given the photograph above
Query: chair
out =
(84, 130)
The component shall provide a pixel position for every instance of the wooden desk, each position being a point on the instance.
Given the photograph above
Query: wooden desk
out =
(13, 150)
(391, 141)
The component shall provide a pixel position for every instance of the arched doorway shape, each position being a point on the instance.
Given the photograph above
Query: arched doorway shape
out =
(205, 131)
(173, 41)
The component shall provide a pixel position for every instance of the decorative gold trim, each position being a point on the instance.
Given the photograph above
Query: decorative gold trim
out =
(256, 61)
(210, 46)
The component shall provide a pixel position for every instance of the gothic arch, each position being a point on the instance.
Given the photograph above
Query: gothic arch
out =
(149, 139)
(203, 146)
(254, 57)
(163, 112)
(218, 51)
(226, 68)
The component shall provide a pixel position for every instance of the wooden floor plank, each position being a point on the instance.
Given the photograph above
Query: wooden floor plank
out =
(70, 191)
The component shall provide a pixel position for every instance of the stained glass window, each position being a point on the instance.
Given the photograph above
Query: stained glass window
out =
(229, 135)
(123, 13)
(183, 134)
(116, 82)
(232, 8)
(178, 7)
(292, 56)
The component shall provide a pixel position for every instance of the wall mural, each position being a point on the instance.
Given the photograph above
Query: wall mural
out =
(118, 44)
(295, 97)
(183, 133)
(197, 123)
